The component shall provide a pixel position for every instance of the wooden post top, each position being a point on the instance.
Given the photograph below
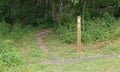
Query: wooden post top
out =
(78, 19)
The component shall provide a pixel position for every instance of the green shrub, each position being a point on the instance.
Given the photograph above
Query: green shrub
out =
(4, 29)
(15, 31)
(96, 29)
(66, 35)
(9, 34)
(67, 29)
(19, 31)
(8, 54)
(11, 59)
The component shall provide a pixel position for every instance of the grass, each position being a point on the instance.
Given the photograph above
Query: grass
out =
(63, 50)
(95, 65)
(30, 49)
(26, 68)
(32, 55)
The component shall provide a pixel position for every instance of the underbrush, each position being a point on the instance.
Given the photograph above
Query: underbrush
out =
(9, 34)
(96, 29)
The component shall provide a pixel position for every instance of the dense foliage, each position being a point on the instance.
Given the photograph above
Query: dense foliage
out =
(29, 11)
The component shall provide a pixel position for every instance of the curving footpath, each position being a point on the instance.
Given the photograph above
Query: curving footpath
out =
(43, 47)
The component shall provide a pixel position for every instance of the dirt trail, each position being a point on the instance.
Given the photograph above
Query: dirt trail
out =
(43, 47)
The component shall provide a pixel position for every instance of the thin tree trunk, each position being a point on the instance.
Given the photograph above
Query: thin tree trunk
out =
(53, 8)
(61, 7)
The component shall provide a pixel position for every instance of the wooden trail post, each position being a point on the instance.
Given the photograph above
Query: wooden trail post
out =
(78, 34)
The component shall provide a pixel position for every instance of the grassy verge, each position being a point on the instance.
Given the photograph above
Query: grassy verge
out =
(96, 65)
(27, 68)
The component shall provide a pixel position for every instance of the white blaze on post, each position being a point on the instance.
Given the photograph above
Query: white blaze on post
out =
(78, 34)
(79, 21)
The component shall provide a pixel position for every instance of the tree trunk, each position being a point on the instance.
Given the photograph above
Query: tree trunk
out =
(61, 7)
(53, 8)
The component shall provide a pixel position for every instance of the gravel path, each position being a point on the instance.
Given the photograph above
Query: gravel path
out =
(60, 61)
